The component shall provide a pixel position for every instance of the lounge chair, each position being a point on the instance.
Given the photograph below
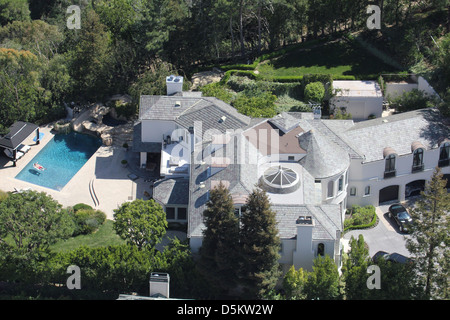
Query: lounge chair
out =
(10, 154)
(24, 148)
(21, 190)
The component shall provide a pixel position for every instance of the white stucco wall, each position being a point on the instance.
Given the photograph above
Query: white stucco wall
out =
(359, 107)
(372, 174)
(153, 130)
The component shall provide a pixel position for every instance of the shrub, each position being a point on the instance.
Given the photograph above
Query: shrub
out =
(88, 221)
(81, 206)
(256, 104)
(314, 91)
(361, 218)
(413, 100)
(125, 109)
(216, 90)
(3, 195)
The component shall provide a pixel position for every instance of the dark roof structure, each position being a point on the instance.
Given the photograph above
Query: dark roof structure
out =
(18, 132)
(173, 191)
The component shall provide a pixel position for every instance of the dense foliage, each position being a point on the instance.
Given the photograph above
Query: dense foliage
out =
(127, 46)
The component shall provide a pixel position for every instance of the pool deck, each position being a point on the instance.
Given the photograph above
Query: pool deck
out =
(103, 171)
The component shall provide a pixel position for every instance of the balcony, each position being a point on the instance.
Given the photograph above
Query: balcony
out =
(175, 159)
(417, 168)
(389, 174)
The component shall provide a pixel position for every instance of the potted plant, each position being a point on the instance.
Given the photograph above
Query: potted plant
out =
(124, 163)
(125, 145)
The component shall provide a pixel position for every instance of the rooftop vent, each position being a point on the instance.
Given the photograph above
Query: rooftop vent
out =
(178, 104)
(222, 119)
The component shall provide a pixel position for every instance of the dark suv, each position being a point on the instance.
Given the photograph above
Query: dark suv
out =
(401, 217)
(391, 257)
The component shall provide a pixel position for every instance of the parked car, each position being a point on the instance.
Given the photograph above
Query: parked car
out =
(401, 216)
(414, 189)
(392, 257)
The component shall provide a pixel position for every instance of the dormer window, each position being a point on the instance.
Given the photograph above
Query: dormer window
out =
(444, 155)
(389, 170)
(417, 160)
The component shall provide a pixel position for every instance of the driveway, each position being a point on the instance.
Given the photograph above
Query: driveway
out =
(385, 236)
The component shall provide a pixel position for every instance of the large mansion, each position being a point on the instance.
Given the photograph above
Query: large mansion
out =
(312, 169)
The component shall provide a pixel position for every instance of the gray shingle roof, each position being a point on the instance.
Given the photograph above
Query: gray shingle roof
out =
(185, 110)
(398, 132)
(326, 219)
(324, 158)
(174, 191)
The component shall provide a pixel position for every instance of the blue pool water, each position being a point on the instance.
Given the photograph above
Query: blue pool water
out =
(62, 157)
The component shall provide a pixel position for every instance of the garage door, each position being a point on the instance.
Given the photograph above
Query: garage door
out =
(414, 188)
(389, 194)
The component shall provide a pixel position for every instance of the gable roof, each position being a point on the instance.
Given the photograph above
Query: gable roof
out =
(185, 110)
(326, 217)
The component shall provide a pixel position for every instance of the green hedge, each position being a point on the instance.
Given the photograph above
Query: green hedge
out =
(361, 213)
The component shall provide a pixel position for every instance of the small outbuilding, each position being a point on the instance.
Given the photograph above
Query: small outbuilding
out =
(361, 99)
(12, 142)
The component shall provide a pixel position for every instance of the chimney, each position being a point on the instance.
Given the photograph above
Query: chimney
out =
(303, 254)
(174, 84)
(159, 284)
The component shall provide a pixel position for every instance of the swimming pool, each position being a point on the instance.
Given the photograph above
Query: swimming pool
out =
(62, 158)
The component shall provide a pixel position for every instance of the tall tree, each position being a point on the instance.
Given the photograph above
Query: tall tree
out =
(141, 222)
(13, 10)
(90, 58)
(323, 281)
(260, 245)
(430, 237)
(20, 88)
(219, 251)
(294, 282)
(354, 269)
(29, 223)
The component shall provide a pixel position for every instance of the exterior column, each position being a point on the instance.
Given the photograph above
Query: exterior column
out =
(37, 136)
(15, 157)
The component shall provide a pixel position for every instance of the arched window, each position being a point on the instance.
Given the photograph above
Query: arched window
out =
(389, 170)
(321, 249)
(330, 189)
(417, 160)
(444, 155)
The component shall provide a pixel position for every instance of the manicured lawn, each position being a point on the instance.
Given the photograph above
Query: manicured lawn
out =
(104, 236)
(337, 58)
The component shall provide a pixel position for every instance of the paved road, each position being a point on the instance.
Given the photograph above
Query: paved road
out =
(385, 236)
